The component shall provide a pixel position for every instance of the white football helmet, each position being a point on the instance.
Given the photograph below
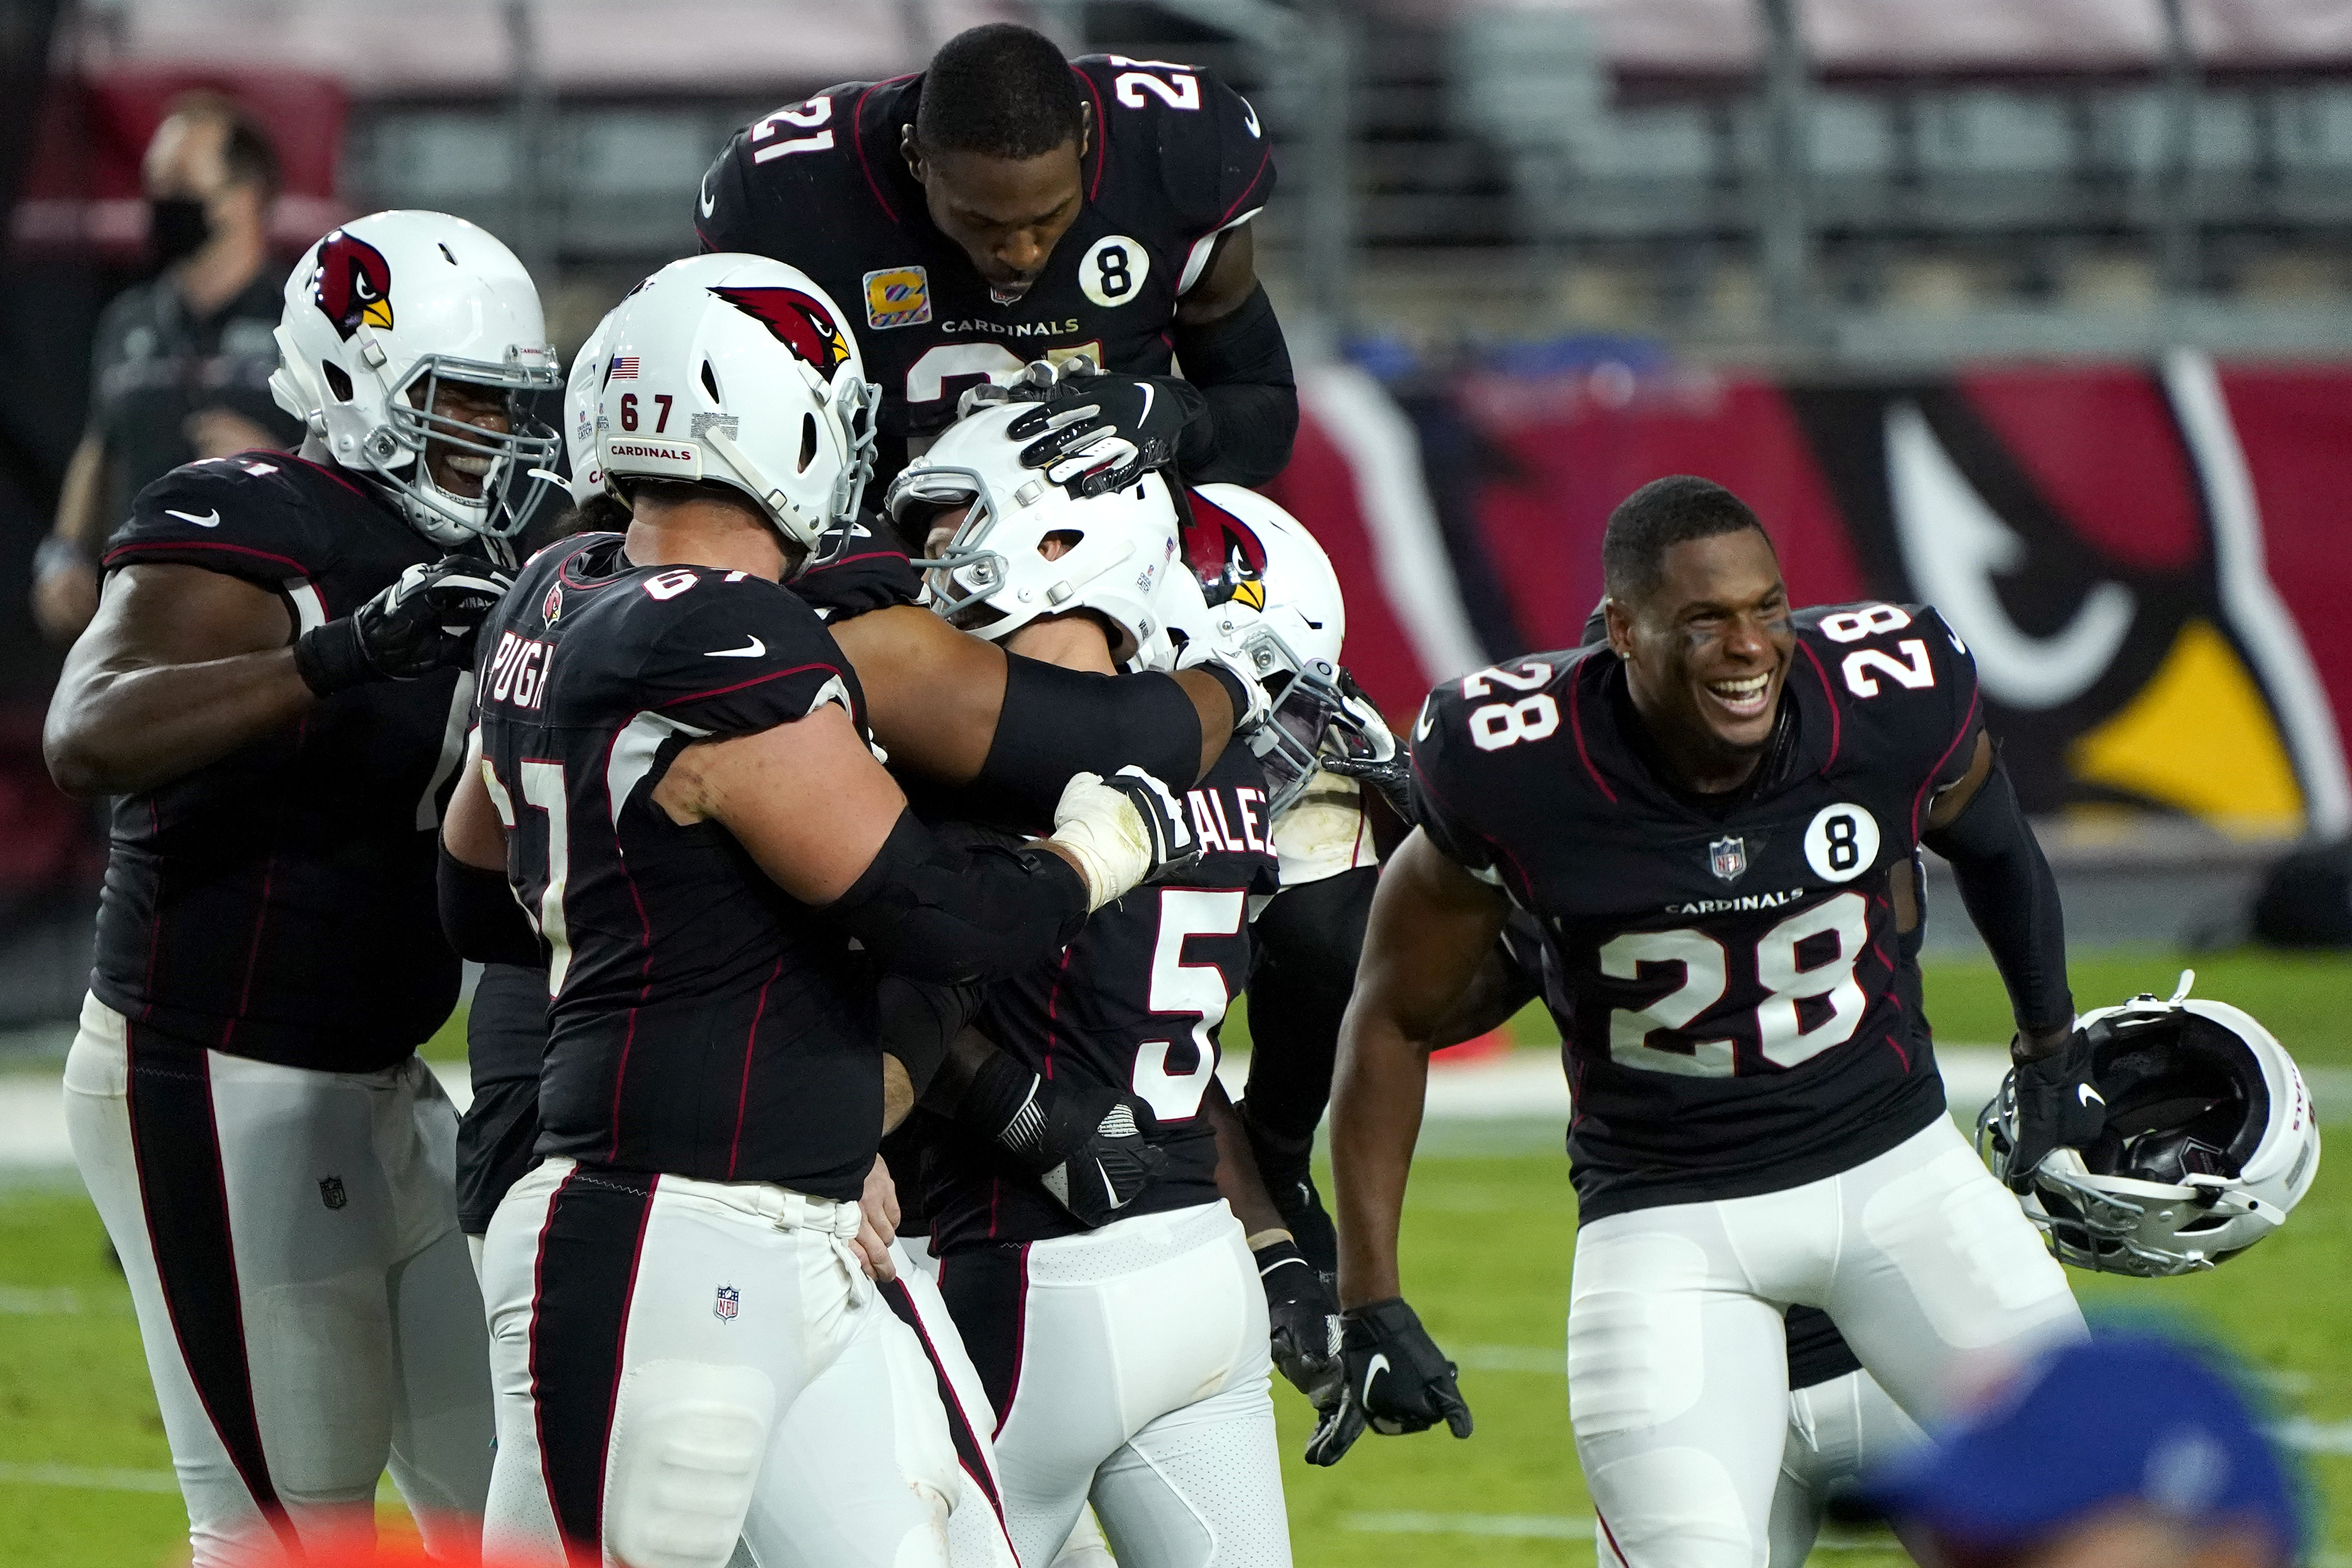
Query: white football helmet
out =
(1270, 594)
(581, 390)
(376, 315)
(736, 370)
(1122, 556)
(2210, 1141)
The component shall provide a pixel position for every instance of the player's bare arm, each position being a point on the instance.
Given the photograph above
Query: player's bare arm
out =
(1432, 925)
(1431, 928)
(181, 667)
(469, 829)
(65, 582)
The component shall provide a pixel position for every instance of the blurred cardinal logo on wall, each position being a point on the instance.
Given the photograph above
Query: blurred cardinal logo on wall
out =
(352, 284)
(2131, 649)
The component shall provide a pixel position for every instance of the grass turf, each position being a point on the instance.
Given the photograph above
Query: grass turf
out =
(1488, 1240)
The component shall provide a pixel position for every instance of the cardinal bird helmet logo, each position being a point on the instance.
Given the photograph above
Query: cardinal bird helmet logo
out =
(352, 284)
(799, 321)
(1225, 553)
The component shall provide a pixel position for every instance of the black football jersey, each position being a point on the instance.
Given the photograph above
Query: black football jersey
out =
(855, 569)
(278, 904)
(1177, 157)
(1135, 1004)
(1730, 988)
(703, 1023)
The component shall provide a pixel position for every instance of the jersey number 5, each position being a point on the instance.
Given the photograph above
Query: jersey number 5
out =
(1781, 1033)
(1180, 987)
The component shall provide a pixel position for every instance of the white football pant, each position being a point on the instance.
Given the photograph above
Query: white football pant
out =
(1837, 1430)
(1135, 1374)
(825, 1476)
(290, 1239)
(1677, 1352)
(648, 1335)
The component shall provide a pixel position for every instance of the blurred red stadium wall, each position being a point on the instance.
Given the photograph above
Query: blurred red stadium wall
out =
(2149, 561)
(82, 190)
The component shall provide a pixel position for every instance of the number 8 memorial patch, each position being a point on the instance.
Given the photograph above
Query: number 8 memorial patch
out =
(1113, 270)
(1842, 843)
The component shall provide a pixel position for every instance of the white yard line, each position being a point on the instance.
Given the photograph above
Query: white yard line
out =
(1555, 1526)
(88, 1478)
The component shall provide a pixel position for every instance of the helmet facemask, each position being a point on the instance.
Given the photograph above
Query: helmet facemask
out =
(1312, 717)
(398, 450)
(992, 558)
(2183, 1177)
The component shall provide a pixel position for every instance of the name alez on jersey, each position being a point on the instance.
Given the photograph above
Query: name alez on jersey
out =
(518, 671)
(1217, 831)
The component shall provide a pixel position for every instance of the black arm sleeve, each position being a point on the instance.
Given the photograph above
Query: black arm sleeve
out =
(2006, 883)
(1242, 365)
(480, 917)
(1057, 722)
(919, 1020)
(958, 915)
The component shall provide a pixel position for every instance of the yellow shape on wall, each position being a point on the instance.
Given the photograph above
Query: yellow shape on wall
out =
(2198, 737)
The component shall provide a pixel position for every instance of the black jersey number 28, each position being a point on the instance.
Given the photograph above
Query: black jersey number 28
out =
(1774, 1027)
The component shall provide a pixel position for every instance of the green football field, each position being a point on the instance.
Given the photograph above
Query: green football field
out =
(85, 1474)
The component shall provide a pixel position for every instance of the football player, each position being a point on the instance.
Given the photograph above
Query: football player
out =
(1127, 1362)
(1703, 816)
(1007, 205)
(273, 688)
(701, 843)
(948, 708)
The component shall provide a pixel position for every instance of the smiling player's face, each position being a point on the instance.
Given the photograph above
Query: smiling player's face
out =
(1708, 650)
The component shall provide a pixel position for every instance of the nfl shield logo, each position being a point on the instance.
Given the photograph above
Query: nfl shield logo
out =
(1727, 858)
(331, 1194)
(727, 1304)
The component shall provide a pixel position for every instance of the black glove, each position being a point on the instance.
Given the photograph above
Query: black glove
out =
(1104, 431)
(1088, 1148)
(1174, 846)
(1396, 1382)
(2058, 1106)
(425, 621)
(1304, 1319)
(1372, 755)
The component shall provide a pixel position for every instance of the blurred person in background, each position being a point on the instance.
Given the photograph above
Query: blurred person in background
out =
(2127, 1451)
(179, 368)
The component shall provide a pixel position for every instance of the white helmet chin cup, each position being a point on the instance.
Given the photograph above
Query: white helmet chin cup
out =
(736, 370)
(377, 316)
(2210, 1142)
(1118, 553)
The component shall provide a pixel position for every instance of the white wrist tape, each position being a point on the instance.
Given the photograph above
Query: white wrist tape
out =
(1103, 832)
